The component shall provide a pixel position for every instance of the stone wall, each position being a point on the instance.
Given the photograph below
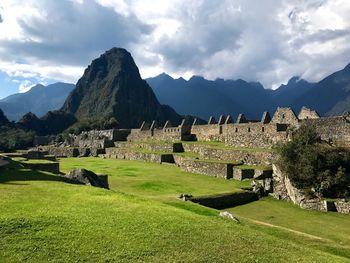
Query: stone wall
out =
(138, 156)
(209, 132)
(335, 130)
(220, 170)
(137, 135)
(223, 201)
(241, 174)
(167, 133)
(254, 135)
(163, 147)
(285, 116)
(248, 157)
(283, 189)
(342, 207)
(58, 151)
(306, 113)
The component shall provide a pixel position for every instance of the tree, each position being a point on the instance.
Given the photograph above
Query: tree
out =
(318, 168)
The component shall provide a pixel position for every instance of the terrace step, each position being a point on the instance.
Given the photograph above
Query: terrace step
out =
(216, 168)
(153, 146)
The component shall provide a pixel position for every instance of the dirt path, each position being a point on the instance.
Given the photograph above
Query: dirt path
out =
(287, 229)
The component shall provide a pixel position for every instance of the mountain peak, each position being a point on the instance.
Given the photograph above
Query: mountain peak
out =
(112, 86)
(293, 80)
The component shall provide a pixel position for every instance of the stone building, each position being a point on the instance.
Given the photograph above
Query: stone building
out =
(263, 133)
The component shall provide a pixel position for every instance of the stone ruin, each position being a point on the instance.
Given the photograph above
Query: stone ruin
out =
(263, 133)
(161, 143)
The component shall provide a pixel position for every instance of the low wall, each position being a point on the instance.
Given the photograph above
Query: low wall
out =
(249, 157)
(139, 156)
(48, 167)
(240, 174)
(221, 170)
(61, 151)
(72, 151)
(163, 147)
(342, 207)
(223, 201)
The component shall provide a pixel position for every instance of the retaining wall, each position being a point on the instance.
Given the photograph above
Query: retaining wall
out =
(221, 170)
(223, 201)
(248, 157)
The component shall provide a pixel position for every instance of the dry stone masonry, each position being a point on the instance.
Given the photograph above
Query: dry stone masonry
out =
(225, 148)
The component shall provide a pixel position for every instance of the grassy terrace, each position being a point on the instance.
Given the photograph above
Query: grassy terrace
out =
(331, 229)
(139, 220)
(156, 181)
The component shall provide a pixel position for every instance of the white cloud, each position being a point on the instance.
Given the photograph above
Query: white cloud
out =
(25, 86)
(267, 41)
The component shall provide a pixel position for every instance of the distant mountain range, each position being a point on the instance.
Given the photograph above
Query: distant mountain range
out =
(38, 100)
(204, 98)
(196, 96)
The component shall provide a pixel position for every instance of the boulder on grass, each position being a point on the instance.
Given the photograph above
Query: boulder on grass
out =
(82, 176)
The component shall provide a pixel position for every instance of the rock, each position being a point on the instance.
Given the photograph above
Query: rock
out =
(185, 197)
(228, 215)
(82, 176)
(284, 189)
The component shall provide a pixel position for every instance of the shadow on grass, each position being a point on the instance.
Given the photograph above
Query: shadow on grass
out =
(16, 172)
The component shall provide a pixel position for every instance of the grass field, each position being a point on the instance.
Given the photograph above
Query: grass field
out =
(139, 220)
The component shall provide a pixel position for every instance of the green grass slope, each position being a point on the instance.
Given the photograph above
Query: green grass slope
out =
(42, 219)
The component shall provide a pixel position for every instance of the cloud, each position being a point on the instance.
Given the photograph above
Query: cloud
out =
(57, 39)
(25, 86)
(267, 42)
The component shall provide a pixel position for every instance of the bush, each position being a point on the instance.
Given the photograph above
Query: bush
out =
(318, 167)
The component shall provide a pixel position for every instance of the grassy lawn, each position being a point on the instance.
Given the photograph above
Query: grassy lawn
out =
(152, 180)
(285, 216)
(138, 220)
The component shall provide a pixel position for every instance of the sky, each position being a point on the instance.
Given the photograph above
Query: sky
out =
(45, 41)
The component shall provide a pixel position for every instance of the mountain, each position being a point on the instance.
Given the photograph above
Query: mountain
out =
(330, 96)
(286, 95)
(39, 100)
(53, 122)
(112, 86)
(3, 119)
(198, 96)
(205, 98)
